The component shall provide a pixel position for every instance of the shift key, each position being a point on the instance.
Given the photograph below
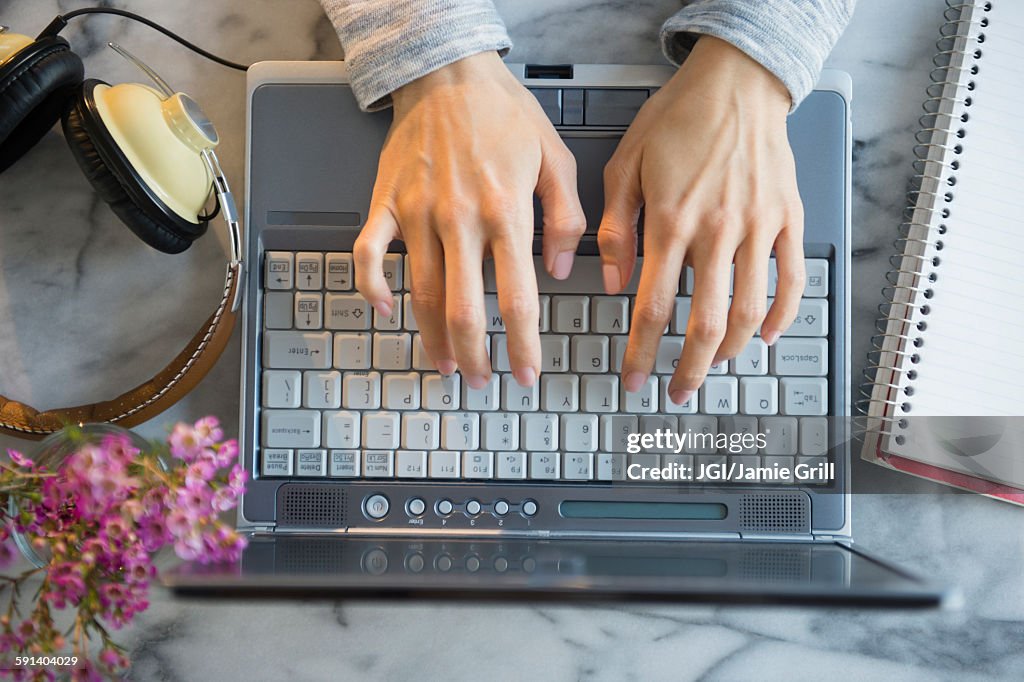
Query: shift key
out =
(297, 350)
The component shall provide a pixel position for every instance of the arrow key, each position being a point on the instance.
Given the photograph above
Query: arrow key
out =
(309, 311)
(309, 270)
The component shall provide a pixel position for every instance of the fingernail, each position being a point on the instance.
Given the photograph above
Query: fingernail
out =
(770, 337)
(476, 381)
(383, 308)
(679, 396)
(446, 367)
(562, 266)
(633, 381)
(525, 376)
(612, 281)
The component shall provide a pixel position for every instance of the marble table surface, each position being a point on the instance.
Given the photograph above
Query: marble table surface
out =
(85, 309)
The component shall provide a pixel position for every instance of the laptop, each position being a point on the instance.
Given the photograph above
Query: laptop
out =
(373, 475)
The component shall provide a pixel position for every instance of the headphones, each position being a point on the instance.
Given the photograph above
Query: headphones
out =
(148, 153)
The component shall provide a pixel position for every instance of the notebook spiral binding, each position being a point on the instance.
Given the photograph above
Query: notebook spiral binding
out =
(909, 289)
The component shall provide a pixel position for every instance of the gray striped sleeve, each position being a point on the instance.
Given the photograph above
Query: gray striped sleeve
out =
(790, 38)
(389, 43)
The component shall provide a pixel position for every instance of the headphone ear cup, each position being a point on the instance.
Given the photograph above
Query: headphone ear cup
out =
(153, 224)
(35, 87)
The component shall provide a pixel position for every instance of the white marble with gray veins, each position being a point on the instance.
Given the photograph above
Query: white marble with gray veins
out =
(85, 308)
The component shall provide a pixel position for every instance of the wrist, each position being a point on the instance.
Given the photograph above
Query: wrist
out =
(728, 72)
(473, 69)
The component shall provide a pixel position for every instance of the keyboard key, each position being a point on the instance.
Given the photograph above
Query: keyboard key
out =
(445, 464)
(499, 353)
(780, 463)
(482, 399)
(282, 388)
(407, 313)
(753, 359)
(681, 315)
(611, 466)
(512, 465)
(704, 468)
(560, 392)
(420, 359)
(321, 390)
(341, 430)
(578, 466)
(278, 309)
(670, 349)
(579, 432)
(352, 350)
(309, 271)
(814, 436)
(590, 354)
(421, 430)
(610, 314)
(279, 268)
(411, 464)
(441, 392)
(587, 277)
(309, 312)
(704, 426)
(392, 323)
(811, 319)
(570, 314)
(291, 429)
(644, 400)
(544, 465)
(339, 271)
(276, 462)
(518, 398)
(554, 353)
(378, 464)
(460, 431)
(539, 431)
(492, 314)
(381, 430)
(393, 270)
(297, 350)
(669, 407)
(343, 463)
(478, 464)
(545, 313)
(719, 395)
(759, 395)
(780, 435)
(600, 393)
(392, 351)
(401, 391)
(347, 312)
(500, 431)
(618, 352)
(653, 423)
(742, 432)
(800, 357)
(360, 390)
(311, 463)
(817, 278)
(804, 396)
(615, 431)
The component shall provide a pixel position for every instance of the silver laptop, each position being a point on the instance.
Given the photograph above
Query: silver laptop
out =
(374, 474)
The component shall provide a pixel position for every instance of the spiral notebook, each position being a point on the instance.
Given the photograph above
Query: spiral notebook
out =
(946, 398)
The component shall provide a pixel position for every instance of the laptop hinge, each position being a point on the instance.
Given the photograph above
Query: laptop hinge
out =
(779, 537)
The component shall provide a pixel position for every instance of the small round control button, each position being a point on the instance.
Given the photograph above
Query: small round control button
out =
(443, 563)
(473, 507)
(416, 506)
(414, 563)
(501, 507)
(472, 564)
(529, 508)
(375, 561)
(445, 507)
(501, 564)
(376, 506)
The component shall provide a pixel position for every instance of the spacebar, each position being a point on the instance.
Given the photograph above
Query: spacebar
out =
(586, 277)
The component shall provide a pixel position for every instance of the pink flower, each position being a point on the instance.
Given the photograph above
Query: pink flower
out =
(20, 460)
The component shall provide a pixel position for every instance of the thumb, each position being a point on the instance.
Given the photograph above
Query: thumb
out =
(616, 237)
(564, 222)
(380, 230)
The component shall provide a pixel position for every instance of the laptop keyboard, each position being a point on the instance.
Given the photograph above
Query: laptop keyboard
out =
(348, 394)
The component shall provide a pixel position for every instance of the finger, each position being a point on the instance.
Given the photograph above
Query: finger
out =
(659, 283)
(426, 260)
(519, 306)
(616, 237)
(789, 259)
(705, 329)
(368, 253)
(464, 305)
(564, 222)
(749, 300)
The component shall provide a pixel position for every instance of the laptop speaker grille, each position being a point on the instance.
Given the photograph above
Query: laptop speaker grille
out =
(319, 506)
(774, 513)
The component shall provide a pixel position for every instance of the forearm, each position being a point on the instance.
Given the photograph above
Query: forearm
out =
(790, 38)
(389, 43)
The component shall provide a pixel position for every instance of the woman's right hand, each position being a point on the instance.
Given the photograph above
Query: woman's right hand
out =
(468, 148)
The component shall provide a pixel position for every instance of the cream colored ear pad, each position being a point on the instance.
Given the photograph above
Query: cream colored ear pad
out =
(11, 44)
